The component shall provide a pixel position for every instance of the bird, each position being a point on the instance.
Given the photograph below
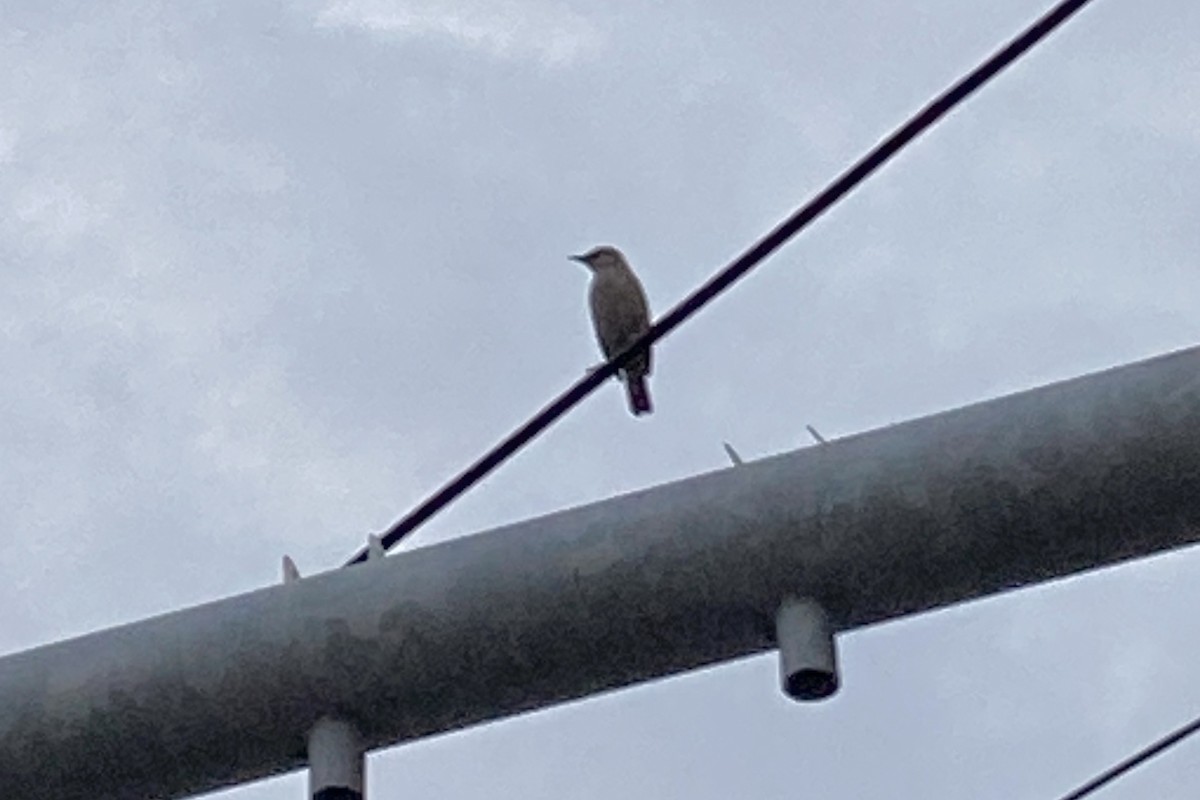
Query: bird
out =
(620, 315)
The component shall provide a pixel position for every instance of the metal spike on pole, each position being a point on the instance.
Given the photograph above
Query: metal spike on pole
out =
(290, 573)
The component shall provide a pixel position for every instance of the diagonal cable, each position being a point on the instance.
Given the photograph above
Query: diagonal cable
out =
(851, 178)
(1135, 760)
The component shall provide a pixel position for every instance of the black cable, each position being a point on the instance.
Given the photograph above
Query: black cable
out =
(876, 158)
(1142, 756)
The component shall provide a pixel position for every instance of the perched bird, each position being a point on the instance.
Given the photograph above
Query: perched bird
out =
(621, 316)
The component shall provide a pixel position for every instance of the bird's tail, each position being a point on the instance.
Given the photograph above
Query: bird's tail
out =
(639, 395)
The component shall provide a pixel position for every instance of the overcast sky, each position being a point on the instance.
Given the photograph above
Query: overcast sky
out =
(273, 271)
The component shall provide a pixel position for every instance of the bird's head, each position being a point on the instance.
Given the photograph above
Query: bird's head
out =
(600, 258)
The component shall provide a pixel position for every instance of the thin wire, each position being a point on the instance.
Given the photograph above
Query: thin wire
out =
(1137, 759)
(800, 219)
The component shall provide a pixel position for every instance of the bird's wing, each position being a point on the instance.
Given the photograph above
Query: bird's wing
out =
(644, 310)
(620, 313)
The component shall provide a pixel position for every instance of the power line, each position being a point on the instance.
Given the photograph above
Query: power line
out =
(1137, 759)
(800, 219)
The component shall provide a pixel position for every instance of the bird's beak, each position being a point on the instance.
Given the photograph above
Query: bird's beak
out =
(581, 259)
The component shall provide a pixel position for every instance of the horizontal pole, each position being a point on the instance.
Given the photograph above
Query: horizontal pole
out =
(911, 517)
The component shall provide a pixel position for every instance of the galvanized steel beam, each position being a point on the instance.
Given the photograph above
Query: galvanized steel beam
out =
(924, 514)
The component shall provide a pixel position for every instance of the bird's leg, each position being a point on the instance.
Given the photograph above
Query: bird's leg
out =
(595, 367)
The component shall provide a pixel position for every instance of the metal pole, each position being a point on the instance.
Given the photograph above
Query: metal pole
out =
(335, 761)
(871, 527)
(807, 651)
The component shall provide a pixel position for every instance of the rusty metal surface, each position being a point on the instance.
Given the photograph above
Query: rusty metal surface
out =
(916, 516)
